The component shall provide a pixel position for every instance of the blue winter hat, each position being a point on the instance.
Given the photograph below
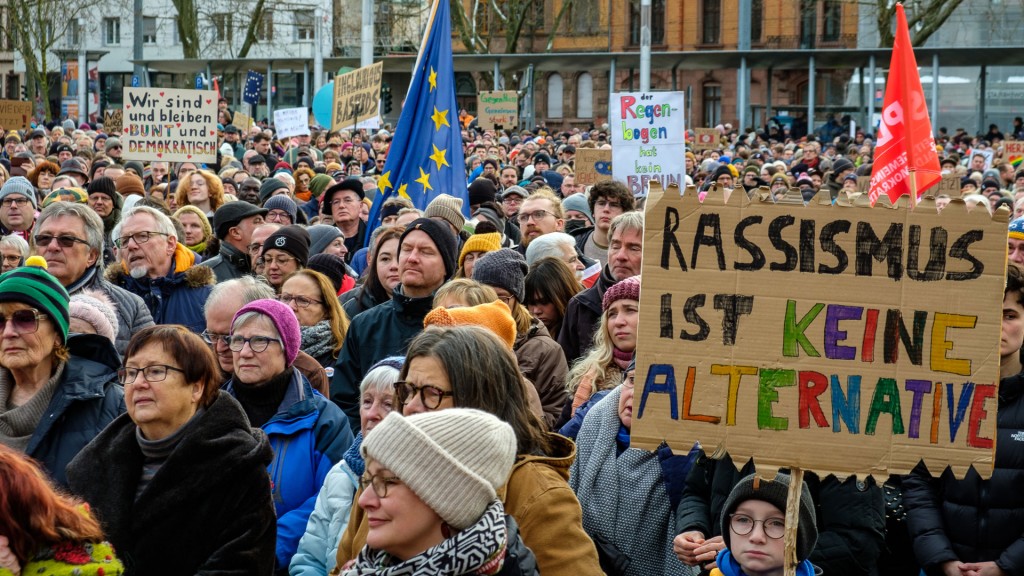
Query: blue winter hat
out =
(1017, 229)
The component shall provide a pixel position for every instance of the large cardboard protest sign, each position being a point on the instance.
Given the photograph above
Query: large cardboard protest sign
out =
(705, 139)
(169, 124)
(15, 114)
(242, 121)
(356, 96)
(290, 122)
(113, 121)
(592, 165)
(497, 109)
(845, 340)
(649, 138)
(1014, 153)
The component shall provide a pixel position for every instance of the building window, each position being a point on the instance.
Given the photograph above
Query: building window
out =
(538, 13)
(657, 22)
(585, 96)
(712, 104)
(111, 31)
(5, 26)
(555, 96)
(711, 21)
(176, 34)
(149, 29)
(265, 27)
(832, 21)
(756, 21)
(586, 19)
(222, 30)
(74, 33)
(808, 25)
(304, 21)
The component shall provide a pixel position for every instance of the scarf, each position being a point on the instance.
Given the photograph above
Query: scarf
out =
(353, 458)
(728, 566)
(84, 281)
(621, 358)
(624, 494)
(18, 423)
(317, 340)
(198, 248)
(479, 549)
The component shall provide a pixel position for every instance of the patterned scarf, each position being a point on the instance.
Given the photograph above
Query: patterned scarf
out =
(479, 550)
(318, 340)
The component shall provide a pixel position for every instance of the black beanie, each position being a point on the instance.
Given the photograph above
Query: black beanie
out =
(331, 266)
(482, 190)
(353, 184)
(103, 185)
(722, 170)
(291, 239)
(268, 187)
(443, 238)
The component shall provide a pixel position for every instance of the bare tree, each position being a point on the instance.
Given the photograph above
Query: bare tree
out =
(188, 27)
(924, 18)
(36, 28)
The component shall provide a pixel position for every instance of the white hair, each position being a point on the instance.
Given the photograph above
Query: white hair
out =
(549, 246)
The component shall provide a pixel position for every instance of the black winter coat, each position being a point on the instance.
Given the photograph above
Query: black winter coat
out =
(850, 515)
(974, 520)
(377, 333)
(229, 263)
(208, 510)
(88, 398)
(581, 318)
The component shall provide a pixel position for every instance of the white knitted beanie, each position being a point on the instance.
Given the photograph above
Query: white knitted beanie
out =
(453, 459)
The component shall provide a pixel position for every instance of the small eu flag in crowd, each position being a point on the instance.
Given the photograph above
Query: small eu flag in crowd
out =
(425, 159)
(253, 87)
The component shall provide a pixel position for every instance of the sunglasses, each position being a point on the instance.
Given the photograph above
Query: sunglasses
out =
(23, 321)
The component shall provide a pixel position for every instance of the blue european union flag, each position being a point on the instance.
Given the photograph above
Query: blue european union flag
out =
(425, 158)
(253, 87)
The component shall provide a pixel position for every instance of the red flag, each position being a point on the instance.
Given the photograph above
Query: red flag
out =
(905, 141)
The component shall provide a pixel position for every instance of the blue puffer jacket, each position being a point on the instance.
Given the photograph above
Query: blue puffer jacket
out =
(87, 399)
(177, 298)
(309, 435)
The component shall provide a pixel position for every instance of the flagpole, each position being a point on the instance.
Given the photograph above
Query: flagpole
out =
(912, 177)
(426, 38)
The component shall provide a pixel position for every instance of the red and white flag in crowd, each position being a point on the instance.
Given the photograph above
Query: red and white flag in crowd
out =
(905, 144)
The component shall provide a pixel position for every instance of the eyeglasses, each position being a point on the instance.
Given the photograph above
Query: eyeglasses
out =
(537, 215)
(380, 484)
(152, 373)
(114, 148)
(213, 337)
(12, 258)
(256, 343)
(300, 301)
(16, 201)
(430, 396)
(349, 201)
(279, 260)
(139, 237)
(23, 321)
(64, 240)
(506, 299)
(278, 215)
(742, 525)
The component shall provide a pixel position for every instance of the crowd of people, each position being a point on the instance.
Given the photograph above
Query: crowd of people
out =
(229, 368)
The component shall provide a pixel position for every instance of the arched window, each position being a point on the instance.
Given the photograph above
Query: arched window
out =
(585, 96)
(555, 96)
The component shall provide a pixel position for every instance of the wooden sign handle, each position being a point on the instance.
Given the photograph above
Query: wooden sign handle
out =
(792, 519)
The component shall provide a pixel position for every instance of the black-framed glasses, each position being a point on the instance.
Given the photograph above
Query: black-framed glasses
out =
(214, 337)
(537, 216)
(430, 396)
(64, 240)
(379, 483)
(742, 525)
(23, 321)
(152, 373)
(139, 237)
(15, 201)
(256, 343)
(300, 301)
(278, 216)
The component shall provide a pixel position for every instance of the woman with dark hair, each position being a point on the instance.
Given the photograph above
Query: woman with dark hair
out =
(183, 469)
(42, 176)
(43, 531)
(381, 274)
(550, 284)
(469, 367)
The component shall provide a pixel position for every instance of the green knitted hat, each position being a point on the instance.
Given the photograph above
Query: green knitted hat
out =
(33, 285)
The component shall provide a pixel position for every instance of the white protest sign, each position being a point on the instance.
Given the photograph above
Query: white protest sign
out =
(648, 138)
(291, 122)
(170, 125)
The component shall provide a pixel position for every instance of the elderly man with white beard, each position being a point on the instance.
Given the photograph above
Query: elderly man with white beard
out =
(162, 271)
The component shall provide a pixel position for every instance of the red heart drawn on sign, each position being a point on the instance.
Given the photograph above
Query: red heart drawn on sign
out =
(208, 100)
(128, 105)
(125, 129)
(189, 156)
(178, 124)
(159, 154)
(161, 93)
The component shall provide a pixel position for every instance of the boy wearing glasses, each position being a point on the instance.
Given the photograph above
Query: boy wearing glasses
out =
(753, 527)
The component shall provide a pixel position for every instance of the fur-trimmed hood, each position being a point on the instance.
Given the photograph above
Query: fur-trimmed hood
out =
(186, 264)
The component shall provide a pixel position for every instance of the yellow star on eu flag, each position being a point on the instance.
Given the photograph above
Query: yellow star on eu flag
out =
(438, 158)
(440, 118)
(432, 79)
(384, 182)
(425, 180)
(402, 191)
